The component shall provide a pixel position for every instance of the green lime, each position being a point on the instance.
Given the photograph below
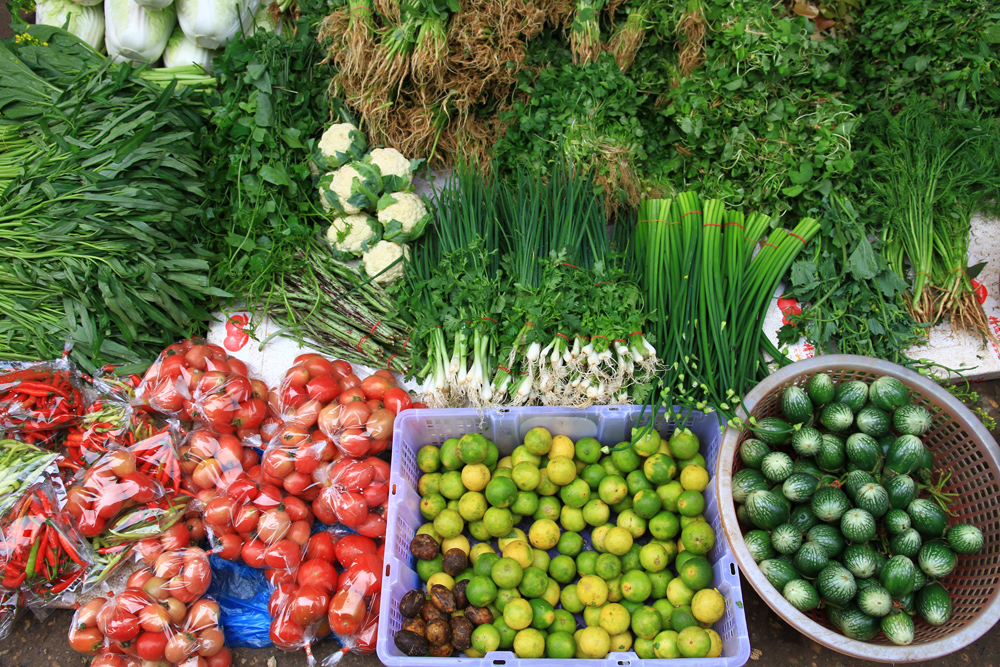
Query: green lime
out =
(486, 638)
(544, 534)
(505, 462)
(517, 613)
(626, 459)
(449, 454)
(682, 618)
(698, 537)
(594, 643)
(522, 455)
(569, 599)
(529, 643)
(690, 503)
(612, 489)
(472, 506)
(596, 512)
(562, 569)
(563, 621)
(480, 591)
(591, 616)
(685, 520)
(467, 573)
(646, 622)
(472, 448)
(542, 614)
(630, 559)
(533, 583)
(659, 582)
(448, 523)
(586, 562)
(696, 573)
(659, 469)
(633, 523)
(479, 530)
(570, 544)
(484, 564)
(683, 443)
(615, 590)
(665, 610)
(432, 505)
(653, 558)
(636, 586)
(598, 535)
(708, 605)
(526, 476)
(452, 487)
(428, 568)
(507, 633)
(479, 550)
(503, 472)
(429, 458)
(593, 474)
(561, 471)
(501, 492)
(696, 460)
(560, 646)
(507, 573)
(664, 526)
(625, 504)
(693, 642)
(429, 484)
(498, 521)
(525, 503)
(644, 648)
(548, 508)
(551, 594)
(636, 482)
(575, 494)
(538, 441)
(540, 559)
(545, 486)
(679, 593)
(452, 505)
(614, 618)
(571, 519)
(588, 450)
(492, 455)
(515, 534)
(618, 541)
(630, 606)
(665, 645)
(682, 558)
(609, 466)
(505, 595)
(669, 493)
(608, 566)
(645, 440)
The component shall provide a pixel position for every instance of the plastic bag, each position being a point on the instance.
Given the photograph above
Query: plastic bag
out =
(108, 419)
(21, 465)
(38, 400)
(354, 492)
(354, 606)
(9, 608)
(243, 595)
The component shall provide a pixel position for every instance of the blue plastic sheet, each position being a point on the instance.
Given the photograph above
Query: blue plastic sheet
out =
(242, 593)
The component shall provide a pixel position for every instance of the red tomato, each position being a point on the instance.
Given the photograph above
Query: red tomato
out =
(171, 368)
(283, 554)
(303, 416)
(292, 396)
(218, 411)
(356, 475)
(307, 457)
(210, 642)
(296, 482)
(346, 612)
(379, 424)
(374, 386)
(380, 469)
(279, 577)
(250, 413)
(86, 616)
(322, 508)
(342, 368)
(196, 528)
(238, 387)
(375, 494)
(373, 526)
(418, 406)
(280, 597)
(351, 395)
(253, 553)
(229, 547)
(175, 537)
(290, 436)
(221, 659)
(365, 575)
(296, 508)
(119, 625)
(88, 640)
(90, 524)
(323, 388)
(317, 365)
(351, 548)
(246, 518)
(321, 547)
(397, 399)
(297, 376)
(203, 614)
(259, 389)
(197, 356)
(351, 508)
(150, 645)
(211, 382)
(317, 573)
(365, 640)
(308, 604)
(298, 532)
(355, 442)
(243, 490)
(268, 498)
(287, 635)
(179, 646)
(387, 374)
(273, 525)
(375, 404)
(220, 511)
(269, 429)
(278, 462)
(139, 578)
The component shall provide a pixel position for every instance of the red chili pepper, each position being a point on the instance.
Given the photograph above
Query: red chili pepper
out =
(14, 582)
(64, 584)
(69, 548)
(26, 374)
(40, 559)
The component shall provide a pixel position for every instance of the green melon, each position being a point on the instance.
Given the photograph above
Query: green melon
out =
(873, 498)
(776, 466)
(801, 595)
(896, 522)
(786, 539)
(911, 420)
(836, 584)
(821, 389)
(859, 559)
(853, 394)
(875, 601)
(829, 504)
(778, 572)
(772, 430)
(837, 417)
(934, 604)
(863, 451)
(796, 406)
(752, 452)
(746, 480)
(759, 545)
(854, 480)
(901, 489)
(827, 537)
(936, 559)
(766, 510)
(907, 543)
(802, 517)
(856, 624)
(965, 539)
(831, 456)
(928, 518)
(799, 487)
(810, 559)
(898, 629)
(888, 393)
(872, 421)
(806, 441)
(808, 466)
(904, 455)
(897, 576)
(858, 526)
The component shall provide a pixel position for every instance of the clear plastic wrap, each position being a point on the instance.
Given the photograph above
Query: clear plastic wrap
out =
(353, 492)
(21, 466)
(38, 400)
(353, 610)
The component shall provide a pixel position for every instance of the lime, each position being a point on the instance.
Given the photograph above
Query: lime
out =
(596, 512)
(659, 582)
(659, 469)
(593, 474)
(588, 450)
(645, 440)
(432, 505)
(542, 614)
(615, 590)
(631, 606)
(480, 591)
(449, 455)
(544, 534)
(486, 638)
(682, 558)
(452, 505)
(442, 578)
(506, 633)
(646, 622)
(664, 526)
(626, 459)
(452, 486)
(630, 559)
(472, 506)
(609, 466)
(644, 648)
(598, 535)
(653, 558)
(551, 594)
(458, 542)
(694, 478)
(505, 462)
(575, 494)
(522, 455)
(683, 618)
(529, 643)
(636, 482)
(538, 441)
(561, 471)
(562, 446)
(507, 573)
(618, 541)
(608, 566)
(594, 642)
(540, 559)
(545, 486)
(429, 484)
(690, 503)
(684, 443)
(525, 503)
(503, 472)
(517, 613)
(698, 537)
(484, 564)
(580, 465)
(592, 616)
(514, 535)
(467, 573)
(636, 586)
(481, 549)
(560, 645)
(498, 521)
(665, 645)
(633, 523)
(679, 593)
(492, 455)
(562, 569)
(533, 583)
(665, 610)
(685, 520)
(621, 643)
(548, 508)
(475, 477)
(563, 621)
(586, 561)
(570, 544)
(518, 550)
(571, 519)
(716, 640)
(696, 460)
(428, 568)
(472, 448)
(479, 530)
(448, 523)
(569, 599)
(625, 504)
(501, 492)
(612, 489)
(429, 458)
(708, 605)
(505, 595)
(592, 591)
(696, 573)
(693, 642)
(526, 476)
(669, 493)
(615, 618)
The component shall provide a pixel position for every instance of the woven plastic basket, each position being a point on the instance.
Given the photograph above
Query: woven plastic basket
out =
(960, 444)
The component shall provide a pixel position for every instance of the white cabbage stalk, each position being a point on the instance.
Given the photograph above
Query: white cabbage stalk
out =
(86, 22)
(154, 4)
(85, 3)
(214, 23)
(182, 51)
(135, 32)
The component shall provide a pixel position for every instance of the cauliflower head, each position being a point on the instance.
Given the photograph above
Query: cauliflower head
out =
(354, 234)
(395, 169)
(353, 187)
(404, 216)
(383, 255)
(341, 143)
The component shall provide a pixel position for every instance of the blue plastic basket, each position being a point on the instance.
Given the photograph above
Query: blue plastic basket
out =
(506, 428)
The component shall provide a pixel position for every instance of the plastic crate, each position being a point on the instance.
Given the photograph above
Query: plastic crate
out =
(506, 428)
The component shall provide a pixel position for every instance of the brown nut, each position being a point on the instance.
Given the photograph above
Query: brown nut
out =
(442, 598)
(479, 615)
(438, 632)
(454, 562)
(416, 625)
(461, 633)
(411, 643)
(442, 651)
(424, 547)
(461, 601)
(430, 612)
(412, 603)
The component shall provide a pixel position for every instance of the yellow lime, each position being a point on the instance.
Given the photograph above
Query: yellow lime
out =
(517, 614)
(457, 542)
(618, 541)
(472, 506)
(594, 642)
(544, 534)
(562, 446)
(485, 638)
(684, 443)
(552, 591)
(538, 441)
(569, 600)
(708, 605)
(432, 505)
(716, 640)
(448, 523)
(572, 519)
(519, 551)
(472, 448)
(442, 578)
(694, 478)
(598, 535)
(561, 470)
(507, 573)
(615, 618)
(678, 593)
(693, 642)
(526, 476)
(529, 643)
(479, 550)
(429, 458)
(522, 455)
(612, 489)
(512, 536)
(645, 440)
(505, 462)
(475, 477)
(621, 643)
(592, 591)
(429, 484)
(646, 622)
(665, 645)
(698, 537)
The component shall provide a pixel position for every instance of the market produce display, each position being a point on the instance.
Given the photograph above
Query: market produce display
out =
(518, 550)
(845, 508)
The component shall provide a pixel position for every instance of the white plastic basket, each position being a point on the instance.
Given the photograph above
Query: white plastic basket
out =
(506, 428)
